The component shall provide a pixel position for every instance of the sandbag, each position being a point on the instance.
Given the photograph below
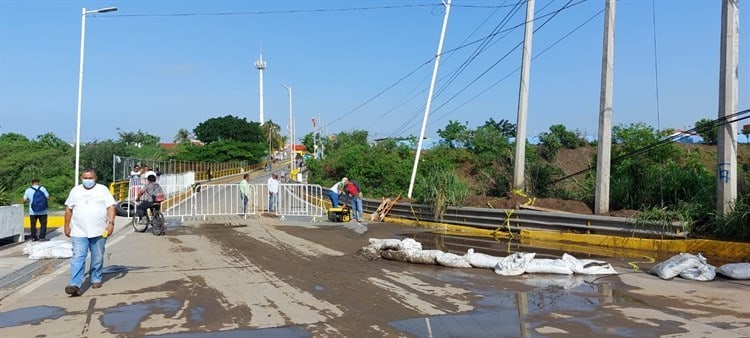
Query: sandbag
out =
(693, 266)
(735, 270)
(412, 256)
(452, 260)
(395, 244)
(513, 265)
(702, 273)
(480, 260)
(544, 265)
(588, 266)
(50, 249)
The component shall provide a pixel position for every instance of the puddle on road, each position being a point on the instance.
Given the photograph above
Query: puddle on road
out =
(553, 304)
(526, 314)
(30, 315)
(125, 319)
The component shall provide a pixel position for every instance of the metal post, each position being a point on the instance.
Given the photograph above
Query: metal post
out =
(447, 5)
(726, 178)
(80, 85)
(80, 96)
(260, 65)
(519, 168)
(604, 147)
(291, 128)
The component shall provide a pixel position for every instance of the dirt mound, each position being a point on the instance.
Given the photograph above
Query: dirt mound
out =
(513, 201)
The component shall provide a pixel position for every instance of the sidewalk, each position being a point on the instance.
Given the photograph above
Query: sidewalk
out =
(17, 269)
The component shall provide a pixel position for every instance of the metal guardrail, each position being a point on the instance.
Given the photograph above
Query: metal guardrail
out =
(516, 220)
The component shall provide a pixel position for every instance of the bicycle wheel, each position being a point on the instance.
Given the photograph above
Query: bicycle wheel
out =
(157, 224)
(142, 225)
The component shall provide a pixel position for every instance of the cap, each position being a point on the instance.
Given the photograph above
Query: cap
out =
(344, 179)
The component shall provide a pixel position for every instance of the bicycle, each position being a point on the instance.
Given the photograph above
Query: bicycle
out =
(153, 218)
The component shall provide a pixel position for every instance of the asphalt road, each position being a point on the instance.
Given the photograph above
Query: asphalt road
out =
(261, 277)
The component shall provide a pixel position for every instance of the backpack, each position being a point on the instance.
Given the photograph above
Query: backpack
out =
(39, 200)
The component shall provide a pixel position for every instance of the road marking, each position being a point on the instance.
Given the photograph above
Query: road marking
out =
(21, 292)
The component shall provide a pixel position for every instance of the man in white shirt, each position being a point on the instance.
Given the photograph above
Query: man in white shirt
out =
(89, 218)
(273, 192)
(336, 191)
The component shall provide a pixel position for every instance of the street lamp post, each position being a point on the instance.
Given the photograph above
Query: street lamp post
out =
(291, 129)
(84, 13)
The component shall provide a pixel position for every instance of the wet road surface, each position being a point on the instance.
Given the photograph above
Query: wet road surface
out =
(266, 278)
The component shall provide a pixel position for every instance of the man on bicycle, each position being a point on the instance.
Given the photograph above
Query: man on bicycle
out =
(151, 195)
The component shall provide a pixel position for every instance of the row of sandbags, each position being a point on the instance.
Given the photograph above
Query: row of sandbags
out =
(409, 250)
(696, 267)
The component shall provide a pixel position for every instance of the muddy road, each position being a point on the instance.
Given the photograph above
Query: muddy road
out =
(267, 278)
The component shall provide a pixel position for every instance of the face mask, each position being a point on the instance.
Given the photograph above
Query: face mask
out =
(88, 184)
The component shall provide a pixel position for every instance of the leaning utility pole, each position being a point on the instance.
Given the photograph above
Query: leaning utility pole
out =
(447, 4)
(519, 167)
(726, 176)
(604, 146)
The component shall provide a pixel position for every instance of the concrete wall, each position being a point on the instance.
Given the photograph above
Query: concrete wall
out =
(11, 222)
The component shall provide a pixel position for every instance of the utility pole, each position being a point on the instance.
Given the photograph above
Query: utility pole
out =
(260, 65)
(726, 176)
(604, 147)
(447, 4)
(519, 167)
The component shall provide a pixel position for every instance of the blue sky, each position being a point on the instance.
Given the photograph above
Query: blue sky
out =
(162, 65)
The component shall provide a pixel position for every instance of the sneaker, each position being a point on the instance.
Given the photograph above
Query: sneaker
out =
(34, 239)
(96, 285)
(73, 290)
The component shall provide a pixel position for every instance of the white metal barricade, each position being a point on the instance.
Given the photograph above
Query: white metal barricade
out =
(300, 200)
(222, 200)
(178, 199)
(303, 200)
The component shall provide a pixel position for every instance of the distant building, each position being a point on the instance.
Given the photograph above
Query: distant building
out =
(685, 136)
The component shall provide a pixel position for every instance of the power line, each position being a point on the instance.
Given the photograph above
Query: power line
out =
(471, 83)
(718, 122)
(290, 11)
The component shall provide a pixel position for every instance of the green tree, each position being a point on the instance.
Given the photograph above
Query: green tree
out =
(138, 139)
(47, 158)
(272, 135)
(708, 130)
(229, 128)
(351, 139)
(99, 154)
(223, 151)
(455, 134)
(557, 137)
(182, 136)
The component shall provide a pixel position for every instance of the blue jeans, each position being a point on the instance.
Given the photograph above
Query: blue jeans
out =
(244, 203)
(81, 247)
(272, 201)
(334, 198)
(357, 208)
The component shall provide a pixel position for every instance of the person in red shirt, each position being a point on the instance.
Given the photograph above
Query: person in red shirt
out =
(355, 196)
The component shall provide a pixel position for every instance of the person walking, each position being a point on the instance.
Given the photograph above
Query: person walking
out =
(336, 191)
(273, 192)
(89, 219)
(355, 198)
(37, 196)
(244, 192)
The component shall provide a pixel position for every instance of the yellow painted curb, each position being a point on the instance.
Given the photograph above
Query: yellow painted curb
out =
(53, 221)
